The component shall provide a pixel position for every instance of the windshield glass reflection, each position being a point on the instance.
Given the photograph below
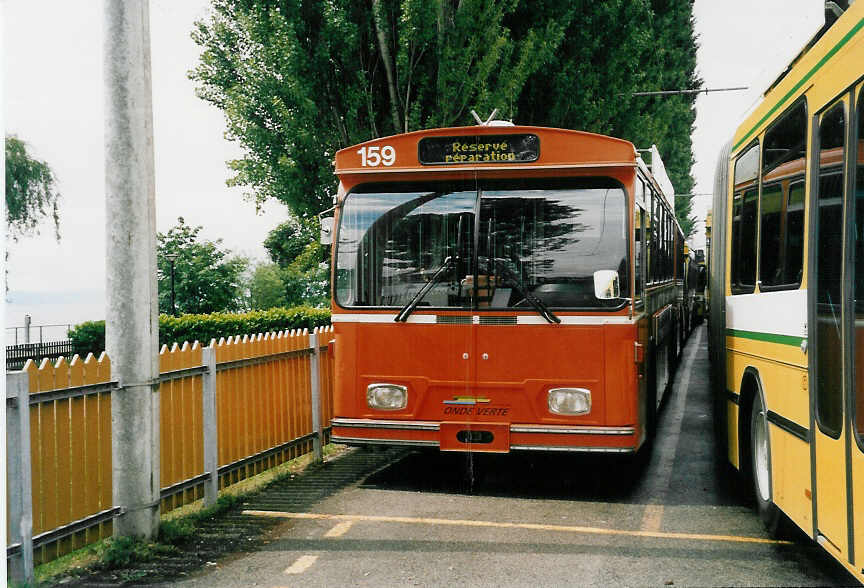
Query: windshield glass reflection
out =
(548, 236)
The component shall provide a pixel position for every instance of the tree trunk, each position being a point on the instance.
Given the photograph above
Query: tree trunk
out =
(384, 47)
(444, 24)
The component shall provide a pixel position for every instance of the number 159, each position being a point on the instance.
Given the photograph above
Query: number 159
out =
(374, 156)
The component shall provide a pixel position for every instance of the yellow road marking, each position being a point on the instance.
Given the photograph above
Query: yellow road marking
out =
(303, 563)
(339, 529)
(529, 526)
(652, 520)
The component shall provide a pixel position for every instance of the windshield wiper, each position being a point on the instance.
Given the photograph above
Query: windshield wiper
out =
(511, 279)
(412, 304)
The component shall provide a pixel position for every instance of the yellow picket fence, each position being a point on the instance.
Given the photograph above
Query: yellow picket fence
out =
(181, 432)
(264, 418)
(262, 406)
(70, 441)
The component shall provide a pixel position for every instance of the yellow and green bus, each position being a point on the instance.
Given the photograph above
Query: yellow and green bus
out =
(786, 318)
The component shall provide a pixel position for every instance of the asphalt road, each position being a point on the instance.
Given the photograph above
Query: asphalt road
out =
(431, 519)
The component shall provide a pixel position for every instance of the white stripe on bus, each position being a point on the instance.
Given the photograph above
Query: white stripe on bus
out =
(777, 313)
(429, 319)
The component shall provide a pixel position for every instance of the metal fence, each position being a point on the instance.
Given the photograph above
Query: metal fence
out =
(31, 333)
(17, 355)
(227, 411)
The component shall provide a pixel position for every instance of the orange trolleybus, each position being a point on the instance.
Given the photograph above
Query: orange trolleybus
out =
(501, 288)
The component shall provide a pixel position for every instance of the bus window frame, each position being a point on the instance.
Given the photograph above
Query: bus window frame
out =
(786, 190)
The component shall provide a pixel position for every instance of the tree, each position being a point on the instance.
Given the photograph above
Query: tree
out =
(301, 260)
(299, 79)
(289, 239)
(266, 288)
(31, 195)
(307, 278)
(612, 49)
(206, 278)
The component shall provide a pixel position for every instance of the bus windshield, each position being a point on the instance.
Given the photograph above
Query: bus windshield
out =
(495, 241)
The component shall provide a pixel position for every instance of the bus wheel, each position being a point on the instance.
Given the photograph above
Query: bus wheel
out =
(760, 464)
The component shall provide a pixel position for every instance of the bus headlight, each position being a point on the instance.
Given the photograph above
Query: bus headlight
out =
(570, 401)
(386, 396)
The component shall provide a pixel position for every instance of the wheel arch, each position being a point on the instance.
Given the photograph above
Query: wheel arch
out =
(751, 386)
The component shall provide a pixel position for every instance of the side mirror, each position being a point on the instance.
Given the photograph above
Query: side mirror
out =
(606, 286)
(327, 230)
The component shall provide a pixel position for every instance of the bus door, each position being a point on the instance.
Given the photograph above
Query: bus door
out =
(828, 361)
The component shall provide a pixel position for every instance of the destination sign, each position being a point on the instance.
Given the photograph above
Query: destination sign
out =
(478, 149)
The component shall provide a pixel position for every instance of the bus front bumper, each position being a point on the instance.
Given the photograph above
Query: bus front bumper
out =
(489, 437)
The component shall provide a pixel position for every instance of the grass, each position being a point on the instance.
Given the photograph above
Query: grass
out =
(177, 527)
(123, 552)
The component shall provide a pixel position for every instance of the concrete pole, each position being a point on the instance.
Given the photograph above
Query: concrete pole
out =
(315, 393)
(27, 320)
(131, 326)
(20, 497)
(210, 420)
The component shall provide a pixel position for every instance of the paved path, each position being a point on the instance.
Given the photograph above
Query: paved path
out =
(432, 519)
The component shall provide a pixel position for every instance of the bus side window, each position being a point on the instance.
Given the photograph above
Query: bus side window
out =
(670, 245)
(770, 244)
(781, 240)
(651, 228)
(638, 215)
(744, 219)
(829, 267)
(658, 237)
(656, 257)
(664, 245)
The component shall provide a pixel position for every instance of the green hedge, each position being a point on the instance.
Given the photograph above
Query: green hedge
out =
(89, 337)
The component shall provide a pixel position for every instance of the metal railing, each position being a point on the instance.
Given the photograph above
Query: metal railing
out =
(17, 355)
(44, 332)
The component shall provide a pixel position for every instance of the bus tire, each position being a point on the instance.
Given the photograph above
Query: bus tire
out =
(760, 469)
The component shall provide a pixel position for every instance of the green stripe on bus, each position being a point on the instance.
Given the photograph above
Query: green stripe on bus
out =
(767, 337)
(803, 81)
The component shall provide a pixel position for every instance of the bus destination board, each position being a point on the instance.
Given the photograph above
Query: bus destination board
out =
(523, 148)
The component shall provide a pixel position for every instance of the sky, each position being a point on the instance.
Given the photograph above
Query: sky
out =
(741, 43)
(52, 99)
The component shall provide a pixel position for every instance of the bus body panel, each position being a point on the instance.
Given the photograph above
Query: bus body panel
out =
(831, 513)
(559, 148)
(502, 381)
(786, 392)
(792, 481)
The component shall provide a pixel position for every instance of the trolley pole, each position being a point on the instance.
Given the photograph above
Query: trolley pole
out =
(131, 328)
